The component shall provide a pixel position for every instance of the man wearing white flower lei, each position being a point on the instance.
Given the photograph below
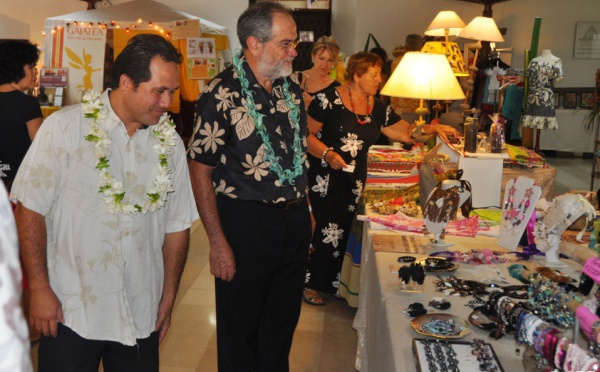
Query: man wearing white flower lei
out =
(248, 169)
(104, 210)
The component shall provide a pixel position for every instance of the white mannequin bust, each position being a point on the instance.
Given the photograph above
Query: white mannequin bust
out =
(546, 56)
(565, 210)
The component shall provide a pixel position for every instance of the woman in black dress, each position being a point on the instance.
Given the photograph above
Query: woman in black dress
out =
(324, 57)
(343, 123)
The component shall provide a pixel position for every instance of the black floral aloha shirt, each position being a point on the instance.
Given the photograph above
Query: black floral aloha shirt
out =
(226, 138)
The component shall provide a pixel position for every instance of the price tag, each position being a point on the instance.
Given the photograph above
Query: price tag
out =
(592, 268)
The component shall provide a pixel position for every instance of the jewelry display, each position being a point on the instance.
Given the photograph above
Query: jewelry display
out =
(439, 325)
(432, 264)
(484, 355)
(549, 301)
(515, 217)
(442, 205)
(367, 118)
(564, 211)
(407, 259)
(440, 303)
(453, 356)
(415, 309)
(473, 257)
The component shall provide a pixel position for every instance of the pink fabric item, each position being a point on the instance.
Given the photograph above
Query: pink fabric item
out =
(586, 319)
(465, 227)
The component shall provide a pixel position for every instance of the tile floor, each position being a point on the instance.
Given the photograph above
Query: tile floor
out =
(324, 340)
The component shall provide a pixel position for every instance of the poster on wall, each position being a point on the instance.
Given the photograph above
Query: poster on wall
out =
(201, 58)
(186, 28)
(81, 50)
(587, 40)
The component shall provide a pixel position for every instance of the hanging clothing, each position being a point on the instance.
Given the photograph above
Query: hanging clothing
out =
(539, 108)
(511, 109)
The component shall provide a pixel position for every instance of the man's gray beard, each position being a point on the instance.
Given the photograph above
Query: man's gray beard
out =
(275, 72)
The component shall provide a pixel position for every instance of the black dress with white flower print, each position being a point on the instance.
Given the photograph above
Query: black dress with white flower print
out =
(539, 112)
(334, 194)
(225, 137)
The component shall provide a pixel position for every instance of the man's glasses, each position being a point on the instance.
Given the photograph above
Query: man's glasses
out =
(285, 45)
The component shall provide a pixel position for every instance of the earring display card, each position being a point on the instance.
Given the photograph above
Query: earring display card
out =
(436, 355)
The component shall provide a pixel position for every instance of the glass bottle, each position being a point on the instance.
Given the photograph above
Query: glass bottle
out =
(470, 134)
(496, 135)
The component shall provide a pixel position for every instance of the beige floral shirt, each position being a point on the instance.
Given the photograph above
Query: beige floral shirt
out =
(107, 270)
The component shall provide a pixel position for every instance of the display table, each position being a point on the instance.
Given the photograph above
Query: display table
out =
(351, 266)
(384, 332)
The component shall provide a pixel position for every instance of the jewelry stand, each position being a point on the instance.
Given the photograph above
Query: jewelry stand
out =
(515, 217)
(566, 209)
(411, 286)
(442, 204)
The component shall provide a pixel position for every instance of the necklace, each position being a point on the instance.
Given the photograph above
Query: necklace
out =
(516, 215)
(369, 108)
(294, 116)
(111, 188)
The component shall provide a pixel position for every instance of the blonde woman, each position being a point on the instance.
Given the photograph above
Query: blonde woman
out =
(324, 57)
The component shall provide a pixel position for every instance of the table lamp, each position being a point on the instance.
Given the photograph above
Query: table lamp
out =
(447, 23)
(480, 29)
(423, 76)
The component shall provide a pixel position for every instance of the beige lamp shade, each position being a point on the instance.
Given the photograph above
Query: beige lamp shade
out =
(482, 29)
(423, 76)
(447, 22)
(452, 52)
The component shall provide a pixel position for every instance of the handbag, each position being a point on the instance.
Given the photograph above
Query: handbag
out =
(374, 40)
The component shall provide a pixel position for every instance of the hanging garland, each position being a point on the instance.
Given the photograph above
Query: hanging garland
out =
(299, 157)
(110, 187)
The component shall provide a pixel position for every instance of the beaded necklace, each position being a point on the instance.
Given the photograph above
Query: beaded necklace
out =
(369, 108)
(294, 116)
(516, 215)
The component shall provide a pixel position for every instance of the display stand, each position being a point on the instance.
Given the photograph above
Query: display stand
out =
(521, 196)
(566, 209)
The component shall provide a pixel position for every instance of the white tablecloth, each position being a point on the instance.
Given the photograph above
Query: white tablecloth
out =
(384, 332)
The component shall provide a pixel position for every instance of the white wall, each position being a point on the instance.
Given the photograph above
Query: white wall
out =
(389, 20)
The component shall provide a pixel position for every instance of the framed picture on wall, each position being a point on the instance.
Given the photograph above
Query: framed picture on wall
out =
(587, 43)
(587, 100)
(570, 101)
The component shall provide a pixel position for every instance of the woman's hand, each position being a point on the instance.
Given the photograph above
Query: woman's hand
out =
(444, 131)
(335, 161)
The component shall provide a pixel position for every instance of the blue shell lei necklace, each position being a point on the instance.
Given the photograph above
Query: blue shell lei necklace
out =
(287, 174)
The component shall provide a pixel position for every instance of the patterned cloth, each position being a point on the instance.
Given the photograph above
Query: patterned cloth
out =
(334, 194)
(539, 112)
(107, 270)
(14, 341)
(225, 137)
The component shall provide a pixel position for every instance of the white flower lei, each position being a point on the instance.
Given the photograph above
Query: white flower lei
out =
(111, 188)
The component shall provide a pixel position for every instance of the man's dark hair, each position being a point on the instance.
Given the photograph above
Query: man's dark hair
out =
(14, 56)
(257, 21)
(134, 60)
